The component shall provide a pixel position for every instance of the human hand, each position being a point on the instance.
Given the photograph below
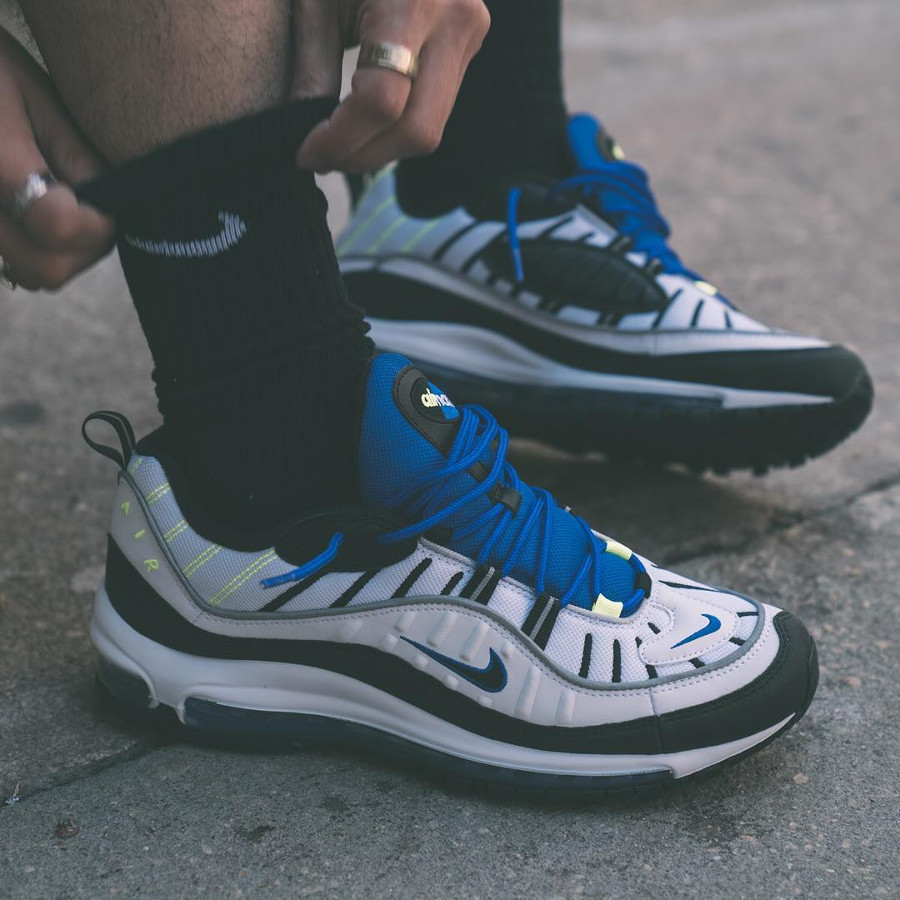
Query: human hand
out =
(57, 237)
(386, 116)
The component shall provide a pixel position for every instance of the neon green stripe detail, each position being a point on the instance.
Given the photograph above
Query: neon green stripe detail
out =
(605, 607)
(373, 248)
(174, 531)
(238, 580)
(618, 549)
(135, 465)
(420, 234)
(200, 560)
(380, 175)
(345, 242)
(157, 493)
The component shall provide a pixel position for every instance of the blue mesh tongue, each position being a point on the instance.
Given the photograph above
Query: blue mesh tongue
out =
(590, 145)
(408, 427)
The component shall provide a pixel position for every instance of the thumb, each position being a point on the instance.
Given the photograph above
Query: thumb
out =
(318, 50)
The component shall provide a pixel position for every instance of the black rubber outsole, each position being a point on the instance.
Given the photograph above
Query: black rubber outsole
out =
(663, 429)
(208, 723)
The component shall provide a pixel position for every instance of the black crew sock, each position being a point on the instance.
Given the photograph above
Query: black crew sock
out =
(259, 356)
(510, 116)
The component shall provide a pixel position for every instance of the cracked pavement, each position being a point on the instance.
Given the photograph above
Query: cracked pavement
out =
(771, 132)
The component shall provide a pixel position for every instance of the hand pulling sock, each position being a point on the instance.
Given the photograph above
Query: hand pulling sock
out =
(259, 356)
(509, 118)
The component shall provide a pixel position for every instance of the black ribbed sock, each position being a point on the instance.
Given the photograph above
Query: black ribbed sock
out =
(510, 116)
(259, 356)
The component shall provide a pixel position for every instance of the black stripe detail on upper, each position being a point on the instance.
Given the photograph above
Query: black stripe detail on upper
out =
(452, 583)
(485, 594)
(653, 628)
(437, 254)
(535, 613)
(690, 587)
(736, 640)
(617, 662)
(586, 655)
(477, 255)
(478, 576)
(748, 612)
(620, 244)
(651, 670)
(551, 228)
(355, 588)
(661, 314)
(783, 689)
(823, 371)
(546, 629)
(728, 323)
(293, 591)
(411, 579)
(697, 310)
(696, 663)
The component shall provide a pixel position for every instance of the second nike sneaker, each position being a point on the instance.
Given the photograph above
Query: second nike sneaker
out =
(459, 618)
(563, 308)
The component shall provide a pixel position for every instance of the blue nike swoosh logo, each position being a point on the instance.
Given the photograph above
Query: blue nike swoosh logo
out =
(713, 624)
(492, 678)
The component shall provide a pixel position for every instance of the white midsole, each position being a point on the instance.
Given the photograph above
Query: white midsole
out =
(486, 354)
(173, 677)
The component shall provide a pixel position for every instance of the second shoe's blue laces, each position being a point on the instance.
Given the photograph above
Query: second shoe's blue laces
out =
(620, 192)
(427, 496)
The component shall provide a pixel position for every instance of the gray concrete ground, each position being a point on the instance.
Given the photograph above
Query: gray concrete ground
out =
(771, 130)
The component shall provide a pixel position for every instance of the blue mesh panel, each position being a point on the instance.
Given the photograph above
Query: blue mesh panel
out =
(392, 452)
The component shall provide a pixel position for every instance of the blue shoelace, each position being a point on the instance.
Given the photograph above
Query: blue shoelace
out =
(620, 191)
(423, 496)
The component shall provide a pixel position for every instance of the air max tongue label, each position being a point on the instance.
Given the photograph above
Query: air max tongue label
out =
(590, 144)
(433, 402)
(427, 408)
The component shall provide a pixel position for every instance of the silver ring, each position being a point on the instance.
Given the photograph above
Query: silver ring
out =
(5, 278)
(36, 186)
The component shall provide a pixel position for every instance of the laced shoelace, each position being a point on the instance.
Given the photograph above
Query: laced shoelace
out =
(620, 190)
(423, 496)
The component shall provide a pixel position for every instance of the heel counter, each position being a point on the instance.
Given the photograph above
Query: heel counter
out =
(129, 529)
(135, 554)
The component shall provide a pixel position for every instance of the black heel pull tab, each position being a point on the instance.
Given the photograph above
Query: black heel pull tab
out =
(123, 430)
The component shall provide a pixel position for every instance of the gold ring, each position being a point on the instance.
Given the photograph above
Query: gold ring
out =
(5, 279)
(395, 57)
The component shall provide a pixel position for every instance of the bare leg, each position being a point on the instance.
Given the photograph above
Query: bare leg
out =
(138, 75)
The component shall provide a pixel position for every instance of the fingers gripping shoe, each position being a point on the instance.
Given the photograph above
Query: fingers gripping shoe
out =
(460, 618)
(563, 308)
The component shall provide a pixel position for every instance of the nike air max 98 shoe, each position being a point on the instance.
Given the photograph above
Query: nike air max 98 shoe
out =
(563, 308)
(460, 618)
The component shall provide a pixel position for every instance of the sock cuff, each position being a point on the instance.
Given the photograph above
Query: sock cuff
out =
(271, 136)
(519, 27)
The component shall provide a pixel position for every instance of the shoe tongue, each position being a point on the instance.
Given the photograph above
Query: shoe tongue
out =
(408, 427)
(590, 144)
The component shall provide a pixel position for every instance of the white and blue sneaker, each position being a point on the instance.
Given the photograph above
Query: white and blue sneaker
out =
(458, 618)
(563, 308)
